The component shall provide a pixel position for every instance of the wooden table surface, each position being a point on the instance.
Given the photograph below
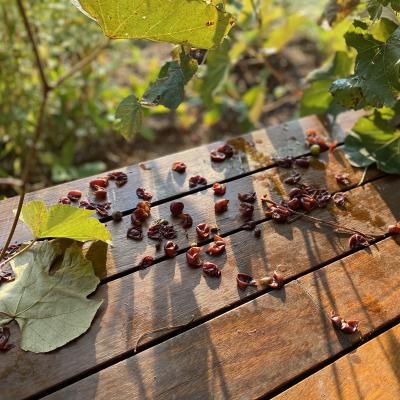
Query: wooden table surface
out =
(232, 343)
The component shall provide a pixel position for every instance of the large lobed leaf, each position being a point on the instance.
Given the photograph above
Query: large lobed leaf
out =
(49, 303)
(376, 79)
(63, 221)
(198, 23)
(375, 139)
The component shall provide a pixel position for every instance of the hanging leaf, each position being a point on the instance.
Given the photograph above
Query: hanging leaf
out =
(198, 23)
(49, 303)
(348, 92)
(376, 77)
(169, 88)
(63, 221)
(375, 139)
(129, 116)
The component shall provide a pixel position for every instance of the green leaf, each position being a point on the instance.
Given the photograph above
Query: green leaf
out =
(348, 92)
(356, 152)
(169, 88)
(49, 303)
(376, 74)
(375, 139)
(35, 215)
(395, 5)
(198, 23)
(63, 221)
(129, 116)
(376, 7)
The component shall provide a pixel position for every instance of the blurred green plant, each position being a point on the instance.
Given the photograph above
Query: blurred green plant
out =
(81, 112)
(366, 77)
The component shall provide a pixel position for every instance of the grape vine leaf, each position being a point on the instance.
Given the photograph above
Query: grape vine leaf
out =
(63, 221)
(375, 139)
(348, 92)
(376, 75)
(198, 23)
(129, 116)
(169, 88)
(47, 299)
(377, 8)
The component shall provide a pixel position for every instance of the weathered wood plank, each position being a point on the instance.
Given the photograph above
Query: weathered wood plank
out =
(127, 254)
(370, 372)
(200, 206)
(255, 348)
(282, 140)
(171, 293)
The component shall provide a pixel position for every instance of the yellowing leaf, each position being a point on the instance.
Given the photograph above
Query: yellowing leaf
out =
(63, 221)
(198, 23)
(49, 304)
(35, 215)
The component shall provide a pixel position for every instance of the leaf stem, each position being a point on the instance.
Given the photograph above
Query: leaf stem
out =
(322, 221)
(363, 176)
(27, 247)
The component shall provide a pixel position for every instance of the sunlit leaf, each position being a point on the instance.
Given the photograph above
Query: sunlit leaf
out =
(63, 221)
(198, 23)
(49, 303)
(375, 139)
(376, 76)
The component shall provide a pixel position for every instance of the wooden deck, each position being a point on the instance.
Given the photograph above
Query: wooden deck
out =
(234, 344)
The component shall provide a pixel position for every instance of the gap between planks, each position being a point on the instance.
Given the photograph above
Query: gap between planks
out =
(354, 374)
(193, 324)
(125, 256)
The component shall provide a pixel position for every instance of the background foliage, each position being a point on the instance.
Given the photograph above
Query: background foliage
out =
(257, 77)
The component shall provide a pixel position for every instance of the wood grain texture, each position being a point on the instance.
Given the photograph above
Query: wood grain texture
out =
(253, 349)
(282, 140)
(370, 372)
(171, 293)
(127, 254)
